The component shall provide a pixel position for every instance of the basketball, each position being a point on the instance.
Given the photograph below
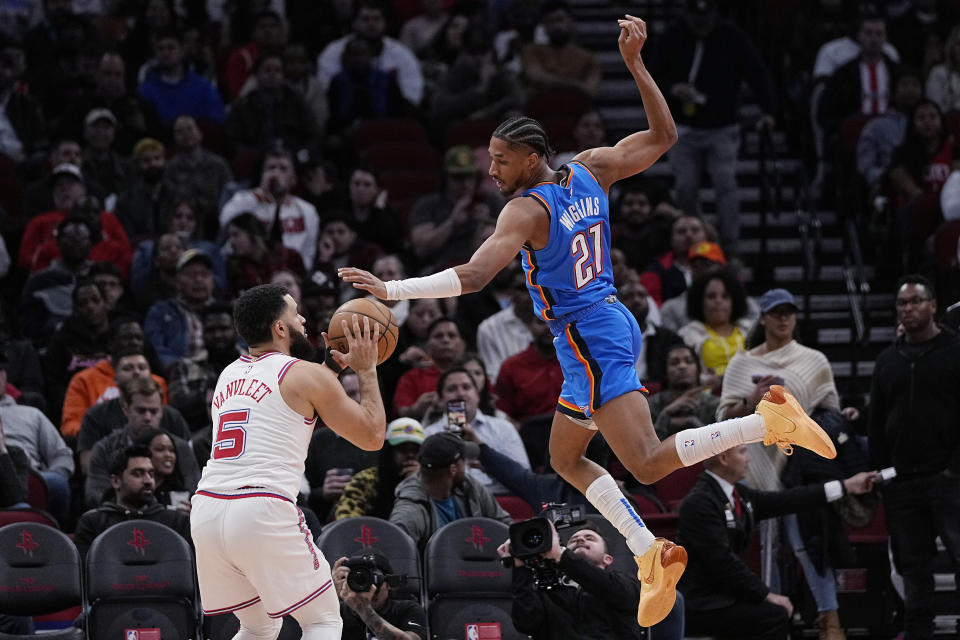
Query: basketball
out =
(373, 309)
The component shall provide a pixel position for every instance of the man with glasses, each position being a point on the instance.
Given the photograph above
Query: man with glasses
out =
(914, 426)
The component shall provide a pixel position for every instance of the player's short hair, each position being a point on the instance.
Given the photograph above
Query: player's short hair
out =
(442, 380)
(139, 387)
(738, 296)
(521, 130)
(120, 460)
(256, 310)
(916, 278)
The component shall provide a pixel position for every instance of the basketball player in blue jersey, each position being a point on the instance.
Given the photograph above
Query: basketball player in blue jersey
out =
(561, 226)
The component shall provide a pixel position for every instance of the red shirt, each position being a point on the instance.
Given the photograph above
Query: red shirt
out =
(39, 245)
(528, 385)
(413, 384)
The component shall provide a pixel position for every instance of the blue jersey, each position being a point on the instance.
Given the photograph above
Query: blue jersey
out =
(573, 271)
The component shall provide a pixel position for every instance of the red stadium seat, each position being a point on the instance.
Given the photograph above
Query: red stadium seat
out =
(402, 155)
(37, 491)
(214, 138)
(397, 130)
(9, 516)
(945, 242)
(646, 504)
(561, 101)
(473, 133)
(674, 488)
(517, 507)
(405, 186)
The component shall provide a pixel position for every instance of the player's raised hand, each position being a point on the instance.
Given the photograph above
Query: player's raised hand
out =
(633, 33)
(362, 345)
(363, 280)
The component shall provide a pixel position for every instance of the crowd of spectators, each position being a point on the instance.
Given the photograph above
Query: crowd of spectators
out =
(157, 158)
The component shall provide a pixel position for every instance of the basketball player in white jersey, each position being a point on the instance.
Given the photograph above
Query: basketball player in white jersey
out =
(255, 554)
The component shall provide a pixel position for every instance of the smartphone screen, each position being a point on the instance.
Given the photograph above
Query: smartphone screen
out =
(456, 415)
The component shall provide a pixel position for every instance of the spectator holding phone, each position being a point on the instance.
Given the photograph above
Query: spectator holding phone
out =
(777, 358)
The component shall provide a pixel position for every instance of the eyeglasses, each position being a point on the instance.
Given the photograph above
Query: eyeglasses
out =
(903, 303)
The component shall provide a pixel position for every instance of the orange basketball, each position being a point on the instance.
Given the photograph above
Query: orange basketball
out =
(377, 312)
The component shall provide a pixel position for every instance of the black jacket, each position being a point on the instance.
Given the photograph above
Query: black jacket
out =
(843, 93)
(96, 521)
(914, 421)
(603, 606)
(715, 539)
(406, 615)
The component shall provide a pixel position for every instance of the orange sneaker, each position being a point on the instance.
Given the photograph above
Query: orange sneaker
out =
(788, 424)
(659, 570)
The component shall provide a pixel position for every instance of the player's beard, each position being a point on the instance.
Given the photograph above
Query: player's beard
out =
(300, 347)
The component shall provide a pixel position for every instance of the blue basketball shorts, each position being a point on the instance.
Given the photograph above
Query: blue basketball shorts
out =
(598, 354)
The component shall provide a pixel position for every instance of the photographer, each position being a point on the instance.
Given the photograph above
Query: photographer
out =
(591, 601)
(373, 613)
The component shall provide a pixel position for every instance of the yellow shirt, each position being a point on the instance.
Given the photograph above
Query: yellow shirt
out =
(717, 351)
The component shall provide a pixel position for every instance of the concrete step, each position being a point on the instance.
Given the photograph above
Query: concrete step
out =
(844, 335)
(843, 369)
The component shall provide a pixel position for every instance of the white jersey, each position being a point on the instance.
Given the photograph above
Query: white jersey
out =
(258, 440)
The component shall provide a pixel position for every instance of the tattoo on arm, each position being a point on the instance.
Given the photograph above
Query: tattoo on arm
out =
(382, 629)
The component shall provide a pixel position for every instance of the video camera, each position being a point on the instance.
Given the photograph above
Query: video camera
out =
(531, 538)
(366, 573)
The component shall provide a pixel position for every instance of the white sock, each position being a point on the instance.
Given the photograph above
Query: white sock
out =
(695, 445)
(605, 495)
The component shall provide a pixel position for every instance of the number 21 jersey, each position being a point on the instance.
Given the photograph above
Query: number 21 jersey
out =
(573, 271)
(258, 440)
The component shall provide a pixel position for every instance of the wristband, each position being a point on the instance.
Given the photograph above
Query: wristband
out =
(445, 284)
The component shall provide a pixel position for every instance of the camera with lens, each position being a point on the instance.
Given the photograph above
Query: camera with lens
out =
(366, 573)
(532, 538)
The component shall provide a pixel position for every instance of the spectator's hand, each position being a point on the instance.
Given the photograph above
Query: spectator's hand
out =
(686, 402)
(333, 484)
(468, 433)
(461, 210)
(3, 440)
(850, 413)
(684, 92)
(184, 507)
(504, 552)
(409, 468)
(340, 573)
(381, 200)
(362, 344)
(325, 249)
(781, 601)
(861, 483)
(761, 388)
(415, 357)
(766, 121)
(424, 403)
(480, 211)
(357, 601)
(363, 280)
(555, 549)
(633, 34)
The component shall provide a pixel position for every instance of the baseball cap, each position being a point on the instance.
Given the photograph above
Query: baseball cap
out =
(700, 6)
(66, 169)
(441, 450)
(192, 255)
(318, 283)
(774, 298)
(404, 430)
(99, 114)
(709, 250)
(459, 160)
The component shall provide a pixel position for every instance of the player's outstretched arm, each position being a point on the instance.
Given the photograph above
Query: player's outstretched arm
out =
(515, 225)
(315, 386)
(637, 151)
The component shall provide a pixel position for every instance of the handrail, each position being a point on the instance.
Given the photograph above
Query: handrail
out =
(811, 236)
(771, 196)
(857, 286)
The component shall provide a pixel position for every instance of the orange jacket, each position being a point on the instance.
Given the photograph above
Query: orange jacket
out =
(89, 387)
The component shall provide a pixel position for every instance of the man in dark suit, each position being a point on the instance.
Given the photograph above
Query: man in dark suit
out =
(724, 598)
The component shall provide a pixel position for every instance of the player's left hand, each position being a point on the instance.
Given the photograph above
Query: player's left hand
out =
(633, 33)
(362, 344)
(363, 280)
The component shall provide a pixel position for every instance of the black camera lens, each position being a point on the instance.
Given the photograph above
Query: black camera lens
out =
(360, 579)
(532, 538)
